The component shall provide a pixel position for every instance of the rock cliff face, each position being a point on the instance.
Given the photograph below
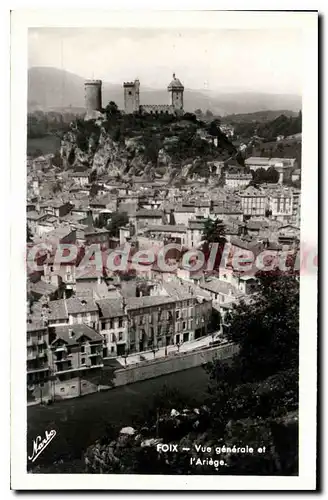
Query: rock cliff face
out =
(94, 147)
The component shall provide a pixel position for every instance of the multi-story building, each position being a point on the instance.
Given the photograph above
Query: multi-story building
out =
(195, 232)
(113, 326)
(253, 202)
(75, 348)
(236, 180)
(284, 166)
(144, 218)
(72, 311)
(37, 363)
(157, 236)
(281, 205)
(158, 321)
(296, 210)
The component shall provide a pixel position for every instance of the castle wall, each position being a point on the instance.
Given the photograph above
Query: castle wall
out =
(157, 109)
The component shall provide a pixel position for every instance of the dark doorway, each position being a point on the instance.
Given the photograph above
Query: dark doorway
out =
(120, 349)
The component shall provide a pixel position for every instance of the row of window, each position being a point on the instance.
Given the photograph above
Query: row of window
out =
(111, 324)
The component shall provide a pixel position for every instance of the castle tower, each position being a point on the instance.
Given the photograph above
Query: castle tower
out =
(92, 95)
(131, 96)
(175, 90)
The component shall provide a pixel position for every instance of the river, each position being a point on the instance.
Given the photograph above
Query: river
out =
(80, 422)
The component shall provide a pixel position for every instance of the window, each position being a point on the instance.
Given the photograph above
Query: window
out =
(62, 389)
(184, 325)
(112, 349)
(177, 314)
(111, 324)
(82, 361)
(120, 322)
(82, 348)
(120, 336)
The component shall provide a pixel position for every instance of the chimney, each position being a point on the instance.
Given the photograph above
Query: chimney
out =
(70, 333)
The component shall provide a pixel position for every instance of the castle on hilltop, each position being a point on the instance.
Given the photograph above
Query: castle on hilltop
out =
(93, 99)
(132, 99)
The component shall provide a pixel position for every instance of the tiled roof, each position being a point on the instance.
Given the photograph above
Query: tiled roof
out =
(79, 330)
(42, 288)
(184, 209)
(218, 286)
(141, 302)
(110, 308)
(167, 228)
(59, 309)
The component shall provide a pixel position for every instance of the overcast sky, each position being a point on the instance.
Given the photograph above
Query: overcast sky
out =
(256, 60)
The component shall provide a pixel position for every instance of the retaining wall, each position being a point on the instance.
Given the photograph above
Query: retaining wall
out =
(171, 364)
(109, 377)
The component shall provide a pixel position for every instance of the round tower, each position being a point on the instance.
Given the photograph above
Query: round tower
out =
(92, 94)
(175, 90)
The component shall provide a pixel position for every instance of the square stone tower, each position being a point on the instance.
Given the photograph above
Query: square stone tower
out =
(131, 96)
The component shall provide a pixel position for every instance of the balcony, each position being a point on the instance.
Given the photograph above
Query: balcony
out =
(94, 354)
(61, 360)
(38, 370)
(61, 349)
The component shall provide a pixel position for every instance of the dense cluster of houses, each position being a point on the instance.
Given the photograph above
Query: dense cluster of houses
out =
(82, 318)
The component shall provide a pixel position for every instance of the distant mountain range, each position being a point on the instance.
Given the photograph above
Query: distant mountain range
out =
(55, 89)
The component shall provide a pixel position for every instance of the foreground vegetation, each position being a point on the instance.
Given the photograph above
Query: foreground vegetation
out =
(252, 403)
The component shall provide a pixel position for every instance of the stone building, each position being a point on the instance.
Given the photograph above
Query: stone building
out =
(132, 99)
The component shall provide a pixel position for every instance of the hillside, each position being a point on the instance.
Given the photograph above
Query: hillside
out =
(258, 116)
(164, 147)
(53, 88)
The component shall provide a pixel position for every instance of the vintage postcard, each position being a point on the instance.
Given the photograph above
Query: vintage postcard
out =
(164, 315)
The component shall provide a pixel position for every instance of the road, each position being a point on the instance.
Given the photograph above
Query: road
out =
(170, 350)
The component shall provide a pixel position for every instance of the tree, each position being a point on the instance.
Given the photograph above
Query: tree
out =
(214, 231)
(111, 110)
(57, 160)
(208, 113)
(94, 190)
(198, 113)
(57, 186)
(117, 220)
(93, 176)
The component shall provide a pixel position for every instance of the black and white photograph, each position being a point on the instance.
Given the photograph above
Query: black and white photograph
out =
(167, 178)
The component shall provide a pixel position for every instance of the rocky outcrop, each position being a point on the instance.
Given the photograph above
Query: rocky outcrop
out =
(94, 146)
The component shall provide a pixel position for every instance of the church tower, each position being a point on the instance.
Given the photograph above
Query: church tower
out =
(175, 90)
(131, 96)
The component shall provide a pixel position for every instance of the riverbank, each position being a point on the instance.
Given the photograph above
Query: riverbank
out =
(80, 422)
(140, 368)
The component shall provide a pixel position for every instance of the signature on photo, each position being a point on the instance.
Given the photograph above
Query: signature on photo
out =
(39, 444)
